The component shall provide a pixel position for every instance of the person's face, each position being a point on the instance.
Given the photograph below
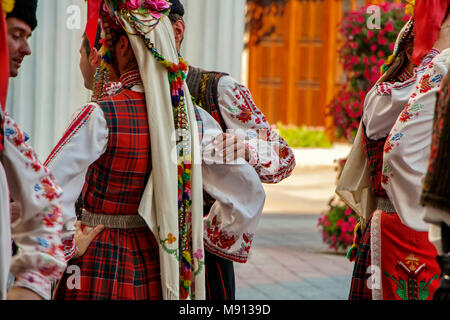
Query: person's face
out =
(18, 34)
(88, 65)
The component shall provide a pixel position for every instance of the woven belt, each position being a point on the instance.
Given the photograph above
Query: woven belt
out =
(112, 221)
(384, 204)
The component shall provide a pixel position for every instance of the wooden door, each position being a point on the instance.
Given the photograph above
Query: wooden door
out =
(292, 68)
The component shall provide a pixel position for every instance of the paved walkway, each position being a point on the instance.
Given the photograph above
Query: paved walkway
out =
(311, 185)
(289, 260)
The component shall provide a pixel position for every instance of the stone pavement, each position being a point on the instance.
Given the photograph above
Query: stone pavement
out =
(288, 260)
(311, 185)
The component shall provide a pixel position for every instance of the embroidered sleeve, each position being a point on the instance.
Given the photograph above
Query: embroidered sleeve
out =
(407, 147)
(83, 142)
(383, 89)
(37, 229)
(383, 104)
(270, 155)
(230, 226)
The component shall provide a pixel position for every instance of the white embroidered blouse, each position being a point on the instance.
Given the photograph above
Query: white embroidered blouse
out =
(383, 104)
(407, 147)
(270, 155)
(36, 226)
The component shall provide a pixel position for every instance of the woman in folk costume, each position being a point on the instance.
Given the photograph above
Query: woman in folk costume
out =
(436, 187)
(36, 229)
(406, 257)
(394, 261)
(136, 157)
(382, 105)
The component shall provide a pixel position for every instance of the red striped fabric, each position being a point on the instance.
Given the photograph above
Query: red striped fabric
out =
(73, 128)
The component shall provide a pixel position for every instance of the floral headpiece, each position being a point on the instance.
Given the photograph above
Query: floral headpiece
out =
(149, 12)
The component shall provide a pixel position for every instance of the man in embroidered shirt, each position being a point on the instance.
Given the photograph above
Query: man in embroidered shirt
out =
(36, 227)
(231, 105)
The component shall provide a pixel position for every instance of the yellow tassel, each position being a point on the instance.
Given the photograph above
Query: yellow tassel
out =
(8, 5)
(387, 64)
(409, 8)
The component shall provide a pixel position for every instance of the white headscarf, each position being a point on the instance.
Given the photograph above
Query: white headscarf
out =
(159, 204)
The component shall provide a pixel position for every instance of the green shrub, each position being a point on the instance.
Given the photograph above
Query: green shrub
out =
(303, 137)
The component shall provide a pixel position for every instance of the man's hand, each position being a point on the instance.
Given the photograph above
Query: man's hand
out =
(18, 293)
(231, 147)
(83, 238)
(443, 41)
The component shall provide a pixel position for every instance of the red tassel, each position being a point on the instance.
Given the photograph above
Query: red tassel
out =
(428, 17)
(4, 59)
(92, 20)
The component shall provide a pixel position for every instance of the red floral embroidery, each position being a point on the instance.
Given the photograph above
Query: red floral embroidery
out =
(50, 192)
(19, 138)
(425, 84)
(405, 116)
(53, 217)
(219, 237)
(284, 152)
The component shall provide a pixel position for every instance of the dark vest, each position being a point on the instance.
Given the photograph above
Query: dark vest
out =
(203, 86)
(116, 181)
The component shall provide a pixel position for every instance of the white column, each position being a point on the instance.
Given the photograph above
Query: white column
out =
(214, 34)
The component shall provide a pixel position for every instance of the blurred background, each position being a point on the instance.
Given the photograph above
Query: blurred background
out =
(308, 64)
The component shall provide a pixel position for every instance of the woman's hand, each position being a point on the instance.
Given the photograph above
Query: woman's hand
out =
(19, 293)
(83, 238)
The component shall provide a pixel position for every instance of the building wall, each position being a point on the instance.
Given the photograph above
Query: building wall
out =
(50, 88)
(214, 34)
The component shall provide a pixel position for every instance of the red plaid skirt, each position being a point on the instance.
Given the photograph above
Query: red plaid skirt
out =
(359, 289)
(120, 264)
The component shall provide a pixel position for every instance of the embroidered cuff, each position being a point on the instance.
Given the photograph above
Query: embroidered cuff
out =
(429, 57)
(434, 52)
(69, 248)
(384, 89)
(36, 282)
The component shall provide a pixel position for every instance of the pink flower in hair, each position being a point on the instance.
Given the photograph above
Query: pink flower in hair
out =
(134, 4)
(156, 5)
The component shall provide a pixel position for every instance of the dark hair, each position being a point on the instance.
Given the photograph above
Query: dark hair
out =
(25, 10)
(98, 38)
(174, 17)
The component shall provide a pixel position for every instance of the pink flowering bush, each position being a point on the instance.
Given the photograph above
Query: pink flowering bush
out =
(337, 226)
(346, 110)
(362, 53)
